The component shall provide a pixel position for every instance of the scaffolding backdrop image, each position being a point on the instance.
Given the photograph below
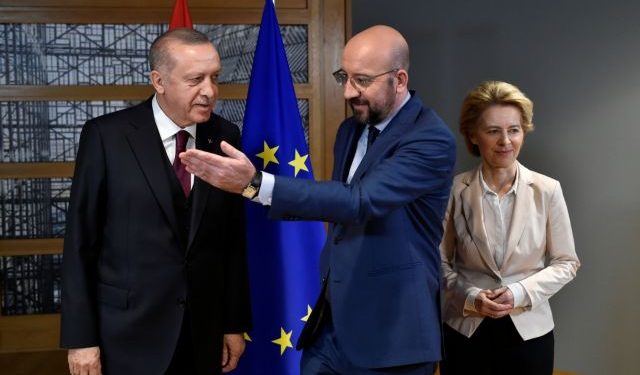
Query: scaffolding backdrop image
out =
(48, 131)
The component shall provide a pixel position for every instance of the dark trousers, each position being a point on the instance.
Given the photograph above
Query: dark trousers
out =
(325, 357)
(496, 348)
(183, 360)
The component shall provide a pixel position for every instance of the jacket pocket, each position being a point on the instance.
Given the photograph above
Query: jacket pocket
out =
(112, 296)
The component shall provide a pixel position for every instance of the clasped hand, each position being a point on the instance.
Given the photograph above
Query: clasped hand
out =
(495, 303)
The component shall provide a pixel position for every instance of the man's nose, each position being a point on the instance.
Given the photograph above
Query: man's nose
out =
(350, 91)
(208, 88)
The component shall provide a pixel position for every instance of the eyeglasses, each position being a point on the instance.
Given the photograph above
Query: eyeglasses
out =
(360, 82)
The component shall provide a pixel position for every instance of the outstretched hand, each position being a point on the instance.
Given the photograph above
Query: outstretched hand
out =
(231, 173)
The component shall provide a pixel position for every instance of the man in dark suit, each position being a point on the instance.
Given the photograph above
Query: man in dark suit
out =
(379, 312)
(154, 275)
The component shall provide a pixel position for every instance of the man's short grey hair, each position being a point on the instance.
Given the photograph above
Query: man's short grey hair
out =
(159, 56)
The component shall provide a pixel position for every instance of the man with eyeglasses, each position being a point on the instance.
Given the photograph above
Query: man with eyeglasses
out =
(379, 311)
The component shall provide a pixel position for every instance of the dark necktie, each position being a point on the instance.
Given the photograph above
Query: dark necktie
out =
(183, 176)
(371, 137)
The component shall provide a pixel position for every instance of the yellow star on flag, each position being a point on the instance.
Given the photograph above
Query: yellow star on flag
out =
(284, 341)
(299, 163)
(306, 317)
(268, 155)
(246, 337)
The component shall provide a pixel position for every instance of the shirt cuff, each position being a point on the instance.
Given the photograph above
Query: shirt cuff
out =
(470, 302)
(266, 189)
(520, 297)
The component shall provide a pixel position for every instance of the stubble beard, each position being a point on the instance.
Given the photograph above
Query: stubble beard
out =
(374, 114)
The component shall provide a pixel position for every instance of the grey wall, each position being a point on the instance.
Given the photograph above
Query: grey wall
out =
(578, 61)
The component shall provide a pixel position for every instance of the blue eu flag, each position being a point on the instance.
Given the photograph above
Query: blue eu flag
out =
(283, 256)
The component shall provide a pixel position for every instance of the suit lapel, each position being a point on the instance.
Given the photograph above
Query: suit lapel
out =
(522, 207)
(207, 139)
(345, 146)
(347, 150)
(472, 207)
(145, 144)
(406, 116)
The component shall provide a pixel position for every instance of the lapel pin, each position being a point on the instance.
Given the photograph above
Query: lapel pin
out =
(210, 140)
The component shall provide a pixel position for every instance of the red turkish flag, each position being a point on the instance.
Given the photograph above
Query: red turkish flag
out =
(180, 16)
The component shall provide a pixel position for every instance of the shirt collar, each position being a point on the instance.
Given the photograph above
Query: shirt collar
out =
(487, 190)
(166, 127)
(380, 126)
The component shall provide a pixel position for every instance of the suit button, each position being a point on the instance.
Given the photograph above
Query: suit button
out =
(182, 302)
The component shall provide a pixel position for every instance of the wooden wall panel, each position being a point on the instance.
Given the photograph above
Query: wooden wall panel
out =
(30, 247)
(50, 362)
(29, 333)
(147, 11)
(193, 4)
(22, 14)
(36, 170)
(333, 11)
(120, 92)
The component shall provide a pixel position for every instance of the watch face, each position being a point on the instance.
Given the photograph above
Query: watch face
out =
(249, 192)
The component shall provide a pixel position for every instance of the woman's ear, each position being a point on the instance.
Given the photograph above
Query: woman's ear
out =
(473, 137)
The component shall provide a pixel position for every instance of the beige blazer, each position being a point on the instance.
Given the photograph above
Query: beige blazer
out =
(540, 253)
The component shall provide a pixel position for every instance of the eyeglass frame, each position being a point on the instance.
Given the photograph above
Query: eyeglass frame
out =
(340, 73)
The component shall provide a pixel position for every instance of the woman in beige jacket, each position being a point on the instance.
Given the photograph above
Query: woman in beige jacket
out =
(507, 245)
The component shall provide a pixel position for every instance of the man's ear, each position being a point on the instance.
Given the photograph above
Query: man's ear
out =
(403, 78)
(157, 81)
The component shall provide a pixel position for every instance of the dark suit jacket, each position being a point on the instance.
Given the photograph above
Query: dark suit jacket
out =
(381, 256)
(129, 268)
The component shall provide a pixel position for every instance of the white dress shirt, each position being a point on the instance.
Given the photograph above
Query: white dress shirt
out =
(496, 216)
(168, 130)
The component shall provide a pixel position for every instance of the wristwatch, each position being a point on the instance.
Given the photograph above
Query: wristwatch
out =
(253, 188)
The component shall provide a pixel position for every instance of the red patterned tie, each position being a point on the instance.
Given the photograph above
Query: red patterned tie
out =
(183, 176)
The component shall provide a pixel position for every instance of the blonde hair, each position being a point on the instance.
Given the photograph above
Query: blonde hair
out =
(490, 93)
